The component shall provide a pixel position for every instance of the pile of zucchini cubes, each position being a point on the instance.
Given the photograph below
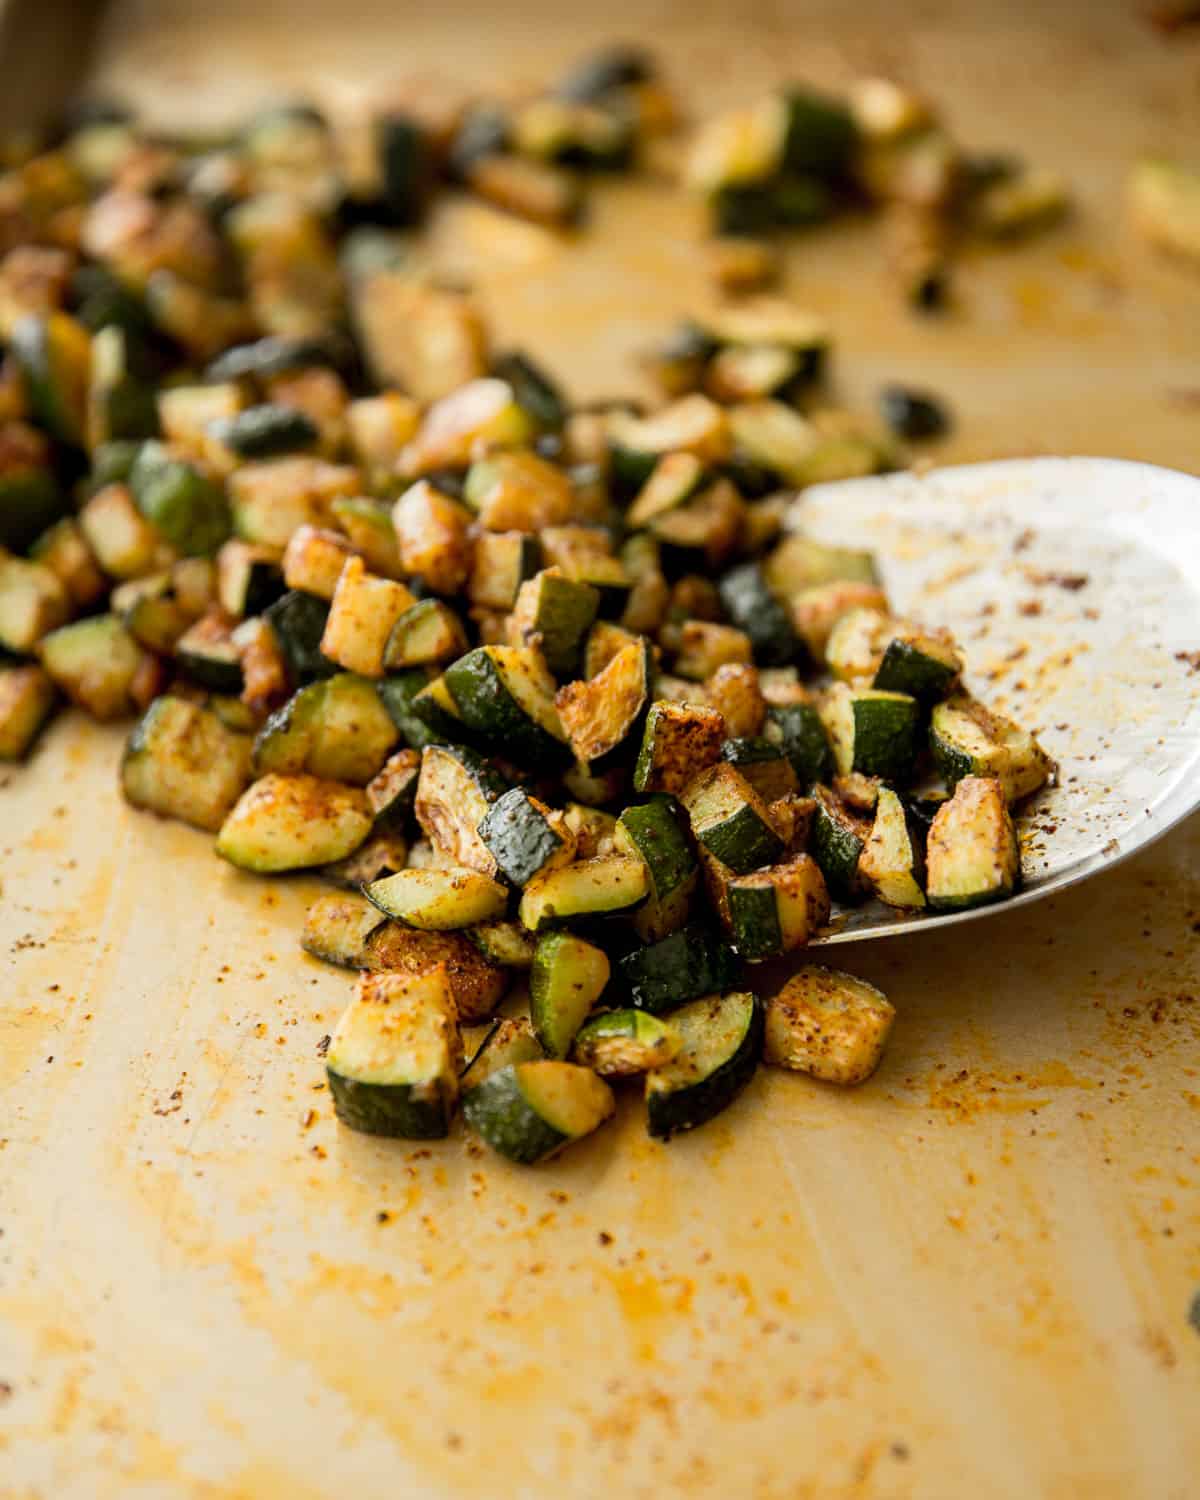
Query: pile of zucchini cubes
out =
(553, 698)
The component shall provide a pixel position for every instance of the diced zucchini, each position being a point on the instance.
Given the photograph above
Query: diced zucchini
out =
(899, 657)
(704, 530)
(504, 943)
(432, 534)
(857, 642)
(552, 614)
(799, 732)
(368, 525)
(967, 739)
(777, 909)
(593, 829)
(361, 617)
(27, 699)
(506, 695)
(536, 393)
(481, 415)
(674, 479)
(567, 978)
(397, 694)
(604, 716)
(705, 646)
(860, 793)
(435, 707)
(679, 741)
(652, 831)
(208, 654)
(750, 372)
(507, 1043)
(120, 404)
(429, 631)
(817, 610)
(336, 729)
(693, 424)
(589, 887)
(604, 573)
(32, 603)
(122, 540)
(800, 563)
(248, 579)
(734, 690)
(299, 621)
(99, 666)
(337, 926)
(63, 550)
(695, 960)
(179, 500)
(604, 641)
(53, 353)
(527, 1111)
(722, 1043)
(828, 1024)
(292, 823)
(313, 560)
(730, 820)
(151, 612)
(502, 562)
(391, 791)
(838, 839)
(871, 731)
(623, 1043)
(384, 852)
(764, 765)
(525, 837)
(455, 792)
(393, 1062)
(973, 853)
(270, 499)
(476, 983)
(180, 761)
(532, 189)
(649, 597)
(266, 431)
(439, 900)
(30, 497)
(754, 609)
(893, 860)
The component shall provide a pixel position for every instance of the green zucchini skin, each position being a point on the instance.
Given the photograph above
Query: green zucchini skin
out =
(618, 1043)
(298, 620)
(973, 853)
(837, 844)
(567, 979)
(175, 497)
(797, 729)
(535, 392)
(740, 836)
(905, 668)
(267, 357)
(753, 608)
(755, 921)
(520, 837)
(498, 1111)
(266, 431)
(695, 960)
(654, 831)
(396, 693)
(212, 663)
(45, 353)
(30, 503)
(695, 1100)
(402, 1110)
(764, 764)
(489, 709)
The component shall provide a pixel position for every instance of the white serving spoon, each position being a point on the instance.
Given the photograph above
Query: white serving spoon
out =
(1074, 586)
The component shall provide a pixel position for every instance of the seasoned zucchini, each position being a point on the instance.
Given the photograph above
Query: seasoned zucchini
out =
(427, 632)
(838, 839)
(337, 926)
(973, 853)
(298, 620)
(393, 1062)
(764, 765)
(27, 699)
(292, 823)
(536, 393)
(828, 1024)
(567, 979)
(518, 492)
(501, 563)
(798, 730)
(30, 497)
(32, 603)
(270, 498)
(722, 1043)
(730, 820)
(674, 479)
(248, 579)
(383, 853)
(361, 618)
(63, 550)
(695, 960)
(119, 536)
(552, 614)
(605, 715)
(481, 415)
(754, 609)
(392, 790)
(594, 829)
(435, 707)
(528, 1111)
(777, 909)
(506, 695)
(179, 500)
(735, 691)
(525, 837)
(182, 762)
(704, 530)
(653, 832)
(587, 888)
(455, 792)
(432, 534)
(507, 1043)
(799, 562)
(623, 1043)
(693, 424)
(439, 900)
(266, 431)
(705, 647)
(967, 739)
(817, 610)
(209, 655)
(893, 859)
(313, 560)
(870, 731)
(53, 353)
(896, 656)
(99, 666)
(504, 943)
(679, 741)
(120, 403)
(368, 526)
(476, 983)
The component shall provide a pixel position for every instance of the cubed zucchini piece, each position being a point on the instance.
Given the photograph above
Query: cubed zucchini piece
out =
(973, 853)
(567, 979)
(479, 416)
(391, 791)
(552, 614)
(182, 762)
(502, 561)
(587, 888)
(292, 823)
(722, 1043)
(605, 715)
(30, 496)
(893, 859)
(337, 926)
(528, 1111)
(705, 646)
(777, 909)
(525, 837)
(298, 620)
(828, 1024)
(519, 491)
(730, 820)
(99, 666)
(679, 741)
(695, 960)
(179, 500)
(623, 1043)
(508, 1042)
(270, 499)
(208, 654)
(432, 532)
(506, 695)
(799, 562)
(313, 560)
(32, 603)
(120, 401)
(693, 424)
(967, 739)
(653, 832)
(53, 352)
(870, 731)
(754, 609)
(64, 551)
(361, 617)
(799, 732)
(439, 900)
(817, 610)
(705, 529)
(455, 792)
(1164, 198)
(504, 943)
(429, 631)
(266, 431)
(27, 699)
(248, 578)
(477, 985)
(838, 839)
(368, 525)
(674, 479)
(764, 765)
(393, 1062)
(121, 539)
(336, 729)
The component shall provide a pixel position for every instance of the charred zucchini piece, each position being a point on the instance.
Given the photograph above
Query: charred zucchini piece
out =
(828, 1024)
(528, 1111)
(567, 978)
(653, 832)
(298, 620)
(722, 1043)
(337, 926)
(180, 501)
(362, 615)
(799, 732)
(504, 943)
(476, 984)
(966, 739)
(27, 700)
(429, 631)
(622, 1043)
(525, 837)
(777, 909)
(456, 791)
(208, 654)
(871, 732)
(838, 839)
(730, 820)
(393, 1062)
(754, 609)
(553, 614)
(893, 859)
(587, 888)
(679, 741)
(764, 765)
(32, 603)
(506, 695)
(292, 823)
(182, 762)
(439, 900)
(695, 960)
(973, 853)
(605, 715)
(99, 666)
